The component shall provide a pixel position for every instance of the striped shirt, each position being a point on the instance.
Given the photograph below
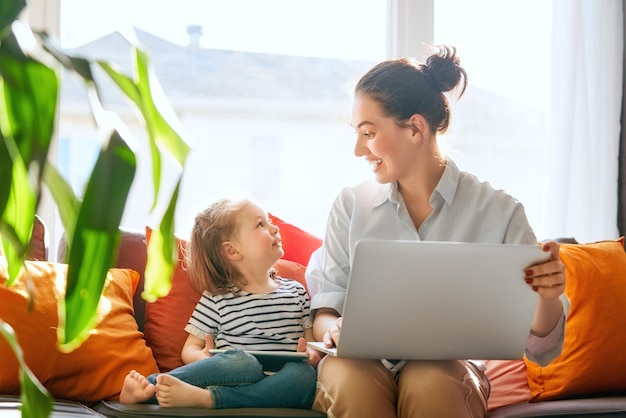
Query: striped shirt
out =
(250, 321)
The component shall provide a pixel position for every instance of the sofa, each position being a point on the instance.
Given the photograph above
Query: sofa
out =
(587, 380)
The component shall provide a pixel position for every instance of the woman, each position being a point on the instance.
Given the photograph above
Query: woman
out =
(419, 194)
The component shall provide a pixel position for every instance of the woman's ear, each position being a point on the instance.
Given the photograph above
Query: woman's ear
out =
(231, 251)
(418, 124)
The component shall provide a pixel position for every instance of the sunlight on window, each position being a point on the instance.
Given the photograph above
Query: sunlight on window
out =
(499, 128)
(346, 29)
(264, 95)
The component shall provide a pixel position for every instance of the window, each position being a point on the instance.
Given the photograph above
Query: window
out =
(499, 128)
(264, 96)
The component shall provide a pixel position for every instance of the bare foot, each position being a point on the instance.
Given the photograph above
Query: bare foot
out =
(136, 388)
(172, 391)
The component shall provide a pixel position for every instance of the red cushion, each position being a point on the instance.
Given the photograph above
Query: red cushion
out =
(297, 243)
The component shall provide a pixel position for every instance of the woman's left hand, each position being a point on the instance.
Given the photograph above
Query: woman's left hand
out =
(548, 279)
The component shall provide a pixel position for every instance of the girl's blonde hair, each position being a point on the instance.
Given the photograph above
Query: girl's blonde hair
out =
(208, 266)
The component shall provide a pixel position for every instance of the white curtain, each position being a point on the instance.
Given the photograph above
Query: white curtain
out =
(587, 50)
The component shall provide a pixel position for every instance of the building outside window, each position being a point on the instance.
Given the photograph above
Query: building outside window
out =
(264, 96)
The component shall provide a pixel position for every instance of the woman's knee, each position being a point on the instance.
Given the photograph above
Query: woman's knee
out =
(425, 376)
(354, 388)
(438, 389)
(342, 370)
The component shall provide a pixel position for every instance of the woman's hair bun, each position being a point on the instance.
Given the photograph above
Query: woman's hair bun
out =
(443, 69)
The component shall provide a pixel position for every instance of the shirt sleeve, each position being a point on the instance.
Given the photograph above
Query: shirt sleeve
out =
(329, 266)
(519, 230)
(542, 350)
(204, 318)
(305, 303)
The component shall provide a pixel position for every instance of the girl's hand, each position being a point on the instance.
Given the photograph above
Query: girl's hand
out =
(548, 279)
(332, 335)
(314, 355)
(208, 345)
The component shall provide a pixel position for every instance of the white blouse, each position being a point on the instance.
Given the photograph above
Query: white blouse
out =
(465, 209)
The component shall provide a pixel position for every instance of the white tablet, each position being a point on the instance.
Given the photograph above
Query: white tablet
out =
(272, 361)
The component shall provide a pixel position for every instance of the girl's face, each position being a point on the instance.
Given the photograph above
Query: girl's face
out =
(387, 147)
(257, 239)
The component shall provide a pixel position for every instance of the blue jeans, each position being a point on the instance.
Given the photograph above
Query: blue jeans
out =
(236, 380)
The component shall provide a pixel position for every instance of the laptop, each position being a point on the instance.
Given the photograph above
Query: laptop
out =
(425, 300)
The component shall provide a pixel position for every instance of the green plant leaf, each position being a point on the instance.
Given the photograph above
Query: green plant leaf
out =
(156, 110)
(162, 255)
(67, 203)
(36, 400)
(6, 170)
(96, 240)
(161, 122)
(128, 86)
(17, 220)
(28, 95)
(146, 93)
(9, 12)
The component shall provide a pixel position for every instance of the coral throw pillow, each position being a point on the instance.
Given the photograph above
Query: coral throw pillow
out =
(94, 371)
(509, 384)
(592, 360)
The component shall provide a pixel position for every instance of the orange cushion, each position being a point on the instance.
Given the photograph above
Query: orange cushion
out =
(592, 360)
(509, 384)
(96, 369)
(167, 317)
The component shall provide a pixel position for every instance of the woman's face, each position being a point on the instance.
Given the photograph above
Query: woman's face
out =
(387, 147)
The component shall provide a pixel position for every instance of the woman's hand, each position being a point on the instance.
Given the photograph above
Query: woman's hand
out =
(548, 279)
(332, 334)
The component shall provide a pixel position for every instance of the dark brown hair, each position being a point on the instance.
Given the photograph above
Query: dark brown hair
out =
(208, 266)
(403, 87)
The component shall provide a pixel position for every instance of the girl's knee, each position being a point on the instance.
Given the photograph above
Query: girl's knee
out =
(301, 378)
(301, 372)
(240, 361)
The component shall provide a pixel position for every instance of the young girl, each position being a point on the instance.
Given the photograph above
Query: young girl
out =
(245, 306)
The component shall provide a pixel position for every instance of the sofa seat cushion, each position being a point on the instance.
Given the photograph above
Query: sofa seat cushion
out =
(10, 408)
(119, 410)
(606, 406)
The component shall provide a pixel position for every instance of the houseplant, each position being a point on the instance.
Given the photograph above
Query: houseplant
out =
(30, 79)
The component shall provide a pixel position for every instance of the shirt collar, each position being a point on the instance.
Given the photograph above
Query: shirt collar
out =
(446, 187)
(449, 181)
